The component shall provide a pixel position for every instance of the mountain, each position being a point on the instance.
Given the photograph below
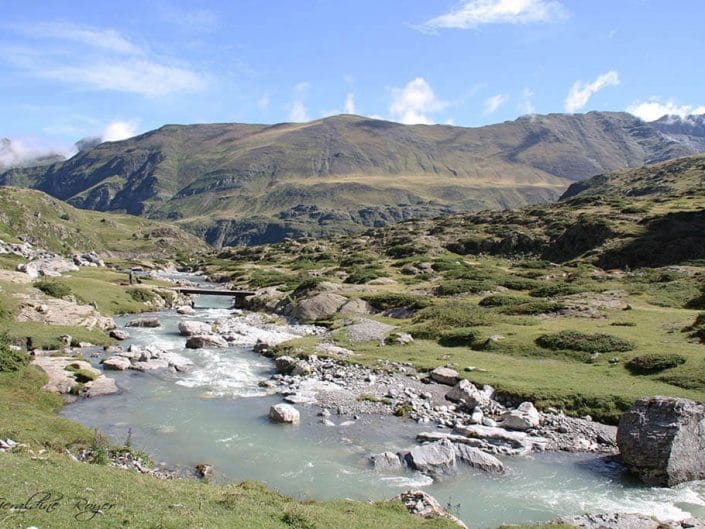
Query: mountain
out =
(54, 225)
(246, 184)
(679, 177)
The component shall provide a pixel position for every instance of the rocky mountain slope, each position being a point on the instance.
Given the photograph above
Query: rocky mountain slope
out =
(243, 184)
(54, 225)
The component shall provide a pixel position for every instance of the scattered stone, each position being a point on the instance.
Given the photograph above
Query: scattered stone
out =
(144, 322)
(205, 340)
(662, 440)
(192, 328)
(365, 330)
(476, 458)
(466, 393)
(119, 334)
(284, 413)
(445, 375)
(420, 503)
(627, 521)
(385, 461)
(432, 458)
(118, 363)
(333, 350)
(525, 417)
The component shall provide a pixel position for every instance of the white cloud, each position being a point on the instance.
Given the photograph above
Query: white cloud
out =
(474, 13)
(136, 76)
(108, 39)
(413, 103)
(581, 92)
(263, 102)
(192, 19)
(349, 107)
(20, 151)
(494, 102)
(119, 130)
(526, 105)
(101, 59)
(298, 112)
(653, 109)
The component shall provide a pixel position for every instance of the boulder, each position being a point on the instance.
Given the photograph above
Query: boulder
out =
(445, 375)
(385, 461)
(49, 267)
(284, 413)
(191, 328)
(144, 322)
(185, 310)
(662, 440)
(525, 417)
(356, 306)
(118, 363)
(420, 503)
(432, 458)
(319, 307)
(119, 334)
(466, 393)
(476, 458)
(205, 340)
(285, 364)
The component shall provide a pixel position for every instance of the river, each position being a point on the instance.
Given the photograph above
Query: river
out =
(217, 414)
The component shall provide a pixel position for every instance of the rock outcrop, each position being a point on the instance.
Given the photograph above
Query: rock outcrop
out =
(662, 440)
(319, 307)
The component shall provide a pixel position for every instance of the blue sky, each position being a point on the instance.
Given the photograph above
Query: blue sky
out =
(72, 69)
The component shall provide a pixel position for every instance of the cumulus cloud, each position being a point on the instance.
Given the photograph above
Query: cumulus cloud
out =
(654, 109)
(474, 13)
(16, 152)
(494, 102)
(526, 105)
(581, 92)
(298, 110)
(119, 130)
(413, 103)
(349, 107)
(101, 59)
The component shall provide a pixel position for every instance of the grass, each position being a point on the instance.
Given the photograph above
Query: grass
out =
(129, 499)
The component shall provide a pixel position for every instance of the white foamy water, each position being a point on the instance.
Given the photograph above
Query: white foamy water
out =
(217, 414)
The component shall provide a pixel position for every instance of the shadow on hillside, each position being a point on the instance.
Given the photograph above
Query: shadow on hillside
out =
(670, 239)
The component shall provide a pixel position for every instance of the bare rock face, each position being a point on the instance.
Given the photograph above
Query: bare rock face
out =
(284, 413)
(662, 440)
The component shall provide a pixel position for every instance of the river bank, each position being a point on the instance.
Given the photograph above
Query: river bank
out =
(216, 414)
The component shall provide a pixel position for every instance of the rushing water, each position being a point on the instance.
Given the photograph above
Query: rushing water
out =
(217, 414)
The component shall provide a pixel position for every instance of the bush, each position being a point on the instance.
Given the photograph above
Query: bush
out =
(307, 285)
(463, 286)
(141, 295)
(453, 315)
(519, 283)
(51, 288)
(464, 337)
(360, 276)
(589, 343)
(401, 251)
(502, 300)
(11, 359)
(532, 308)
(394, 300)
(654, 363)
(556, 289)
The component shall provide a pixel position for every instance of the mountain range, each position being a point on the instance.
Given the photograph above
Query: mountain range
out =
(237, 184)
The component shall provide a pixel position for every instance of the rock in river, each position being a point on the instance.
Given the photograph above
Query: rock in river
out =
(118, 363)
(662, 440)
(205, 340)
(191, 328)
(284, 413)
(385, 461)
(144, 322)
(119, 334)
(432, 458)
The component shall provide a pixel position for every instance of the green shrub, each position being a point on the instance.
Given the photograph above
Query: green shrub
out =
(455, 314)
(463, 286)
(394, 300)
(463, 337)
(589, 343)
(306, 285)
(11, 359)
(359, 276)
(556, 289)
(269, 278)
(141, 295)
(405, 250)
(697, 329)
(502, 300)
(654, 363)
(519, 283)
(532, 308)
(52, 288)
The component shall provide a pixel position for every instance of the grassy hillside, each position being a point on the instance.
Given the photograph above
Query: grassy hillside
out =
(52, 224)
(233, 183)
(561, 304)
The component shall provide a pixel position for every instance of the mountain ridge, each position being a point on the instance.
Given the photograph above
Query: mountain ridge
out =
(254, 183)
